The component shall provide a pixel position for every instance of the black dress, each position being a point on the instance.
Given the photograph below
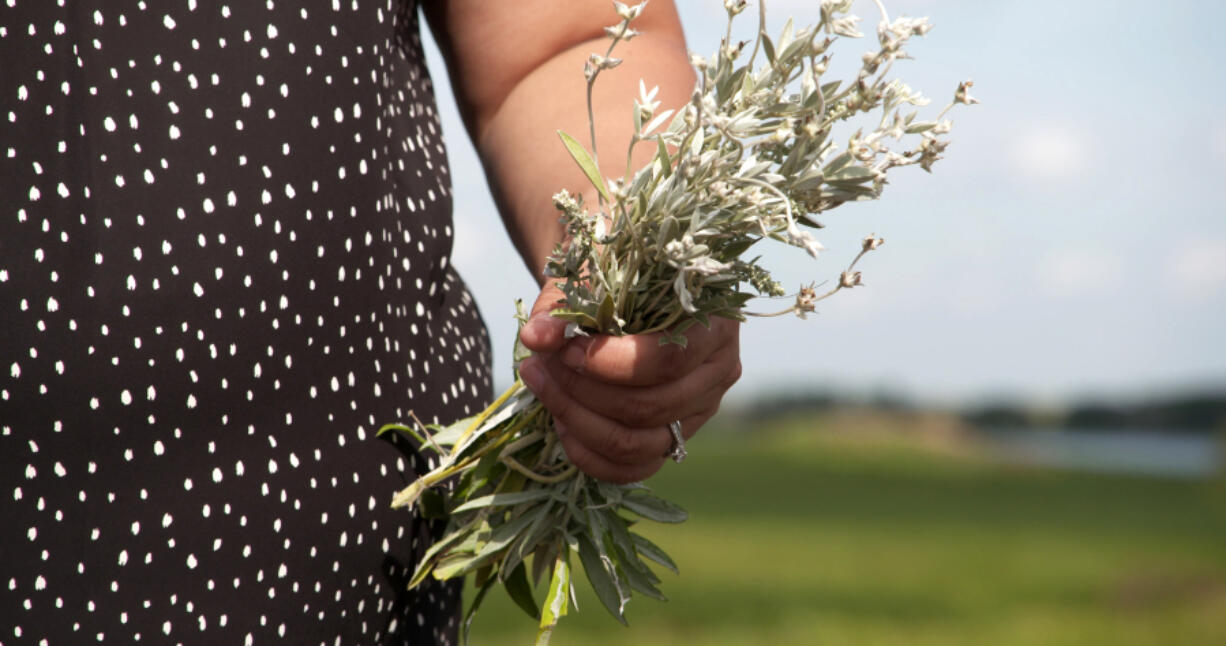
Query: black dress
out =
(224, 241)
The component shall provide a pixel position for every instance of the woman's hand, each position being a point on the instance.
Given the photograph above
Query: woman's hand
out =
(612, 398)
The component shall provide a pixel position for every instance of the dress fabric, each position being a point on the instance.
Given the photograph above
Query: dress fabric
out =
(224, 240)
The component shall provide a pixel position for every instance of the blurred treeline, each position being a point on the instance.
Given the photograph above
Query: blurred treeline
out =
(1203, 411)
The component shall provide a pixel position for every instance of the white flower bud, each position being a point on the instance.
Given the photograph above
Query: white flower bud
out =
(850, 279)
(804, 240)
(871, 243)
(734, 7)
(629, 13)
(962, 95)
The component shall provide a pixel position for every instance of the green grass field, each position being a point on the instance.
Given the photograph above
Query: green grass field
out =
(803, 537)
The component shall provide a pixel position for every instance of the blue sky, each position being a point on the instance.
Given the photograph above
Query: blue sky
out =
(1072, 243)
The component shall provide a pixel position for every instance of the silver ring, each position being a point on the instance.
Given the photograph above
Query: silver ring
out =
(677, 452)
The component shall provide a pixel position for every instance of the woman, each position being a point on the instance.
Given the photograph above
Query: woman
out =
(224, 264)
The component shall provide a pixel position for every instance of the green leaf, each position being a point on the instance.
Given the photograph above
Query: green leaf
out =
(520, 591)
(556, 602)
(486, 467)
(601, 578)
(401, 428)
(654, 508)
(638, 580)
(500, 499)
(652, 551)
(583, 319)
(604, 315)
(585, 162)
(769, 47)
(735, 249)
(455, 565)
(920, 126)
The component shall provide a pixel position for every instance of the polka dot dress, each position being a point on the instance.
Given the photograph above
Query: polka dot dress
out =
(224, 241)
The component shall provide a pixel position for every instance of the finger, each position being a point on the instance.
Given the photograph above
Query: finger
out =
(599, 466)
(648, 406)
(640, 360)
(542, 332)
(613, 441)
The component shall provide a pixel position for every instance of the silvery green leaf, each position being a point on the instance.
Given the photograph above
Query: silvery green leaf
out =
(601, 577)
(621, 535)
(611, 493)
(655, 123)
(668, 229)
(769, 48)
(586, 163)
(838, 163)
(666, 163)
(785, 38)
(605, 314)
(640, 581)
(851, 173)
(503, 499)
(920, 126)
(654, 508)
(653, 552)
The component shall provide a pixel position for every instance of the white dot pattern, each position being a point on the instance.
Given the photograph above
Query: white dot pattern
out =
(224, 242)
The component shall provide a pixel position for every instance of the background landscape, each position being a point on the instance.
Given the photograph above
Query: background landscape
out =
(1014, 434)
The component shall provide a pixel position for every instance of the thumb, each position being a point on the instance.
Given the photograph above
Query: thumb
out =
(544, 333)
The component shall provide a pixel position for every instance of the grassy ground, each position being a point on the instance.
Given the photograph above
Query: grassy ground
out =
(803, 537)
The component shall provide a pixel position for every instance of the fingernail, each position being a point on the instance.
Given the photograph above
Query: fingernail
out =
(575, 355)
(532, 374)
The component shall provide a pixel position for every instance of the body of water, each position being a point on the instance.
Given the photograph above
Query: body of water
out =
(1192, 455)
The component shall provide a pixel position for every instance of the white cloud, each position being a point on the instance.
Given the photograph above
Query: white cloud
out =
(1051, 152)
(1197, 268)
(1077, 272)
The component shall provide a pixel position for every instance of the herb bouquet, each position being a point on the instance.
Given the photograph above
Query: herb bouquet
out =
(750, 158)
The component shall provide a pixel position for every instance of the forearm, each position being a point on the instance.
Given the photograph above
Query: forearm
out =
(525, 160)
(517, 70)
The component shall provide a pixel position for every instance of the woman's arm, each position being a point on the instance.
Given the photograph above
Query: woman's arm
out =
(517, 70)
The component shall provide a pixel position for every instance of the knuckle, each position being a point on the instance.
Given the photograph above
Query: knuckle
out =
(565, 378)
(621, 446)
(673, 364)
(557, 401)
(639, 412)
(734, 375)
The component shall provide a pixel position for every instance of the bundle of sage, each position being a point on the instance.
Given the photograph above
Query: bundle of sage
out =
(750, 158)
